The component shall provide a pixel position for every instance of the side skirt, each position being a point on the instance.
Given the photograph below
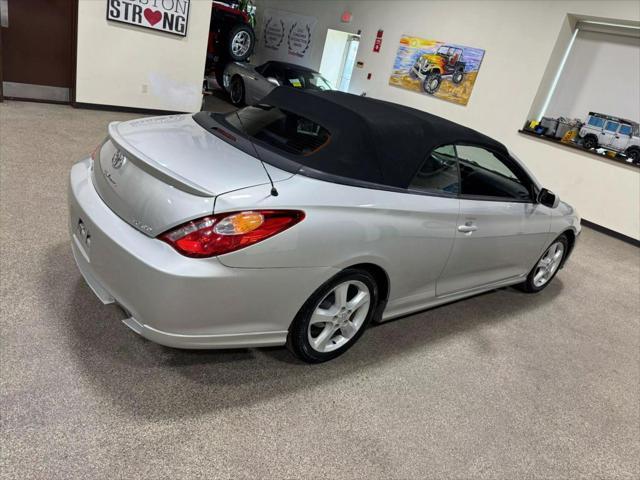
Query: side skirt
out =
(392, 313)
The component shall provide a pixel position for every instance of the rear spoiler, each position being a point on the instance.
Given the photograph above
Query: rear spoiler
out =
(154, 168)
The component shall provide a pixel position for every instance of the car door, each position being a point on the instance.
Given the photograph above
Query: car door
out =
(429, 212)
(609, 133)
(621, 137)
(501, 230)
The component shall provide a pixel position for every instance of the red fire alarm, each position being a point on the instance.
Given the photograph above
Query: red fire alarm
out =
(378, 42)
(346, 17)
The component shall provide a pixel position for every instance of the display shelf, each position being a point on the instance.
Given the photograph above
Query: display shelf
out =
(617, 158)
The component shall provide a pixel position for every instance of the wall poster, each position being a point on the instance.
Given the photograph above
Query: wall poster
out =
(170, 16)
(431, 67)
(287, 36)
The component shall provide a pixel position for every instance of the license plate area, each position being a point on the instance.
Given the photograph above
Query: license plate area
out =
(83, 237)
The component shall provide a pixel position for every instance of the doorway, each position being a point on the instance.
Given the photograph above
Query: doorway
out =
(339, 58)
(38, 49)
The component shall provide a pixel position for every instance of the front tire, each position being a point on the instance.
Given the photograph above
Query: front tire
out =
(432, 83)
(590, 142)
(334, 317)
(236, 91)
(241, 43)
(547, 266)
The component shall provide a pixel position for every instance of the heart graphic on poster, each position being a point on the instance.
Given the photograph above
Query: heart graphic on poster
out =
(152, 16)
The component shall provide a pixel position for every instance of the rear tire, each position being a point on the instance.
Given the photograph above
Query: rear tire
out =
(335, 316)
(457, 77)
(546, 267)
(633, 153)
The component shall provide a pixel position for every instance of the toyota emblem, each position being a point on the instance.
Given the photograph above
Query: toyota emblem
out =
(118, 159)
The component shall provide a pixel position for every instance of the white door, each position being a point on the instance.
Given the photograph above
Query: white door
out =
(621, 139)
(608, 133)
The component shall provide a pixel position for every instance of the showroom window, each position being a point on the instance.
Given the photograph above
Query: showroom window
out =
(484, 174)
(439, 173)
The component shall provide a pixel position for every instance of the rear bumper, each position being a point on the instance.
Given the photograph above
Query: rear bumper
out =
(175, 300)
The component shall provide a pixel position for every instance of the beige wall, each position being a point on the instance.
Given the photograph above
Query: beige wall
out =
(116, 62)
(519, 37)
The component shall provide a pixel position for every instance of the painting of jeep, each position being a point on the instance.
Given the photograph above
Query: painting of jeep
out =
(430, 68)
(443, 70)
(615, 134)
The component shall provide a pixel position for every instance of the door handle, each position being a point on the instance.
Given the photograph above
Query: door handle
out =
(467, 228)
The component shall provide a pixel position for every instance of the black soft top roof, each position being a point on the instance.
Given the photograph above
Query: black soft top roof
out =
(286, 65)
(372, 140)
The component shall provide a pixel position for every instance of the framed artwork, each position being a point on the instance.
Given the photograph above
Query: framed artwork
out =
(441, 69)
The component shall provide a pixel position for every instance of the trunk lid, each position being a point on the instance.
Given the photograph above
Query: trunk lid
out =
(156, 173)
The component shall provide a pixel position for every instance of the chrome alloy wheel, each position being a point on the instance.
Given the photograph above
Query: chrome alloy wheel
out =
(240, 43)
(339, 316)
(548, 264)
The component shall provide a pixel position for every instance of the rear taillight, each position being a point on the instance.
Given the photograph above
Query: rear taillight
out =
(227, 232)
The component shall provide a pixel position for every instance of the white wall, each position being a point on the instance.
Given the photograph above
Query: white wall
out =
(519, 38)
(115, 61)
(602, 74)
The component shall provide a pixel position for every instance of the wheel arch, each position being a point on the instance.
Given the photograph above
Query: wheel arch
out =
(382, 281)
(571, 238)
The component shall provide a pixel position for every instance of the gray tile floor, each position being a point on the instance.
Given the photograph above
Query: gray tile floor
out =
(503, 385)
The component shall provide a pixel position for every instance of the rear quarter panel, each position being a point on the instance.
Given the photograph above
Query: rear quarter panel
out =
(409, 236)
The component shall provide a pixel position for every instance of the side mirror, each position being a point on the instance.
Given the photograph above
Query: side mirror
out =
(274, 81)
(548, 198)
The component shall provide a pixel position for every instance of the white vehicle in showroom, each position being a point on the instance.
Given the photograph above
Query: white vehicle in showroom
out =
(611, 133)
(301, 220)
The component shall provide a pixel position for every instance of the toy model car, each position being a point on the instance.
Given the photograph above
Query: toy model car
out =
(231, 38)
(247, 84)
(431, 67)
(611, 133)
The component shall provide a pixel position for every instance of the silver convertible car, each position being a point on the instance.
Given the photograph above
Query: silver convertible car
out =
(247, 84)
(303, 219)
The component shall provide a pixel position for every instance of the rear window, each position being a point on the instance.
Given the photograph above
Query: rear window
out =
(280, 129)
(625, 129)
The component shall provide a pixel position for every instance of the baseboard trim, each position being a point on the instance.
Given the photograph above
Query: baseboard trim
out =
(612, 233)
(118, 108)
(36, 100)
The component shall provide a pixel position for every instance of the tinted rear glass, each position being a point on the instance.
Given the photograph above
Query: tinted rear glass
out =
(278, 128)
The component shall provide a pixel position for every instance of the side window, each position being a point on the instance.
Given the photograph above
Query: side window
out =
(439, 173)
(625, 130)
(483, 173)
(611, 127)
(596, 122)
(269, 71)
